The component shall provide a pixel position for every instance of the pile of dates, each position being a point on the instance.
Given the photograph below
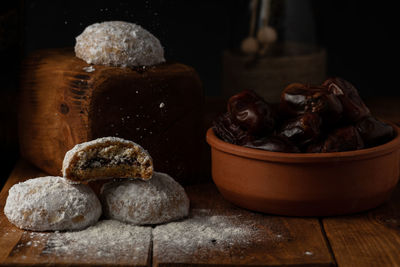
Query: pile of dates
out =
(312, 119)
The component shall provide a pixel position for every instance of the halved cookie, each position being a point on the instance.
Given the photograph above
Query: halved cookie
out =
(107, 157)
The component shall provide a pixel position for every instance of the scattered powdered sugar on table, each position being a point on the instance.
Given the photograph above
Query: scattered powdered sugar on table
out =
(89, 69)
(207, 236)
(109, 241)
(308, 253)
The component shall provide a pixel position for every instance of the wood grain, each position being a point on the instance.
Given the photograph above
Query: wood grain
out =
(277, 241)
(8, 133)
(34, 249)
(206, 196)
(367, 239)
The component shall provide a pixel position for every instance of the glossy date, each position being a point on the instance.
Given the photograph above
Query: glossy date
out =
(230, 132)
(251, 113)
(354, 108)
(273, 143)
(298, 99)
(374, 132)
(302, 129)
(341, 139)
(315, 119)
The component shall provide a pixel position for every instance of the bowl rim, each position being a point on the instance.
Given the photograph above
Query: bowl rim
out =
(253, 153)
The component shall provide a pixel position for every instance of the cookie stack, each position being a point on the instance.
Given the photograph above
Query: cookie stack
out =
(131, 191)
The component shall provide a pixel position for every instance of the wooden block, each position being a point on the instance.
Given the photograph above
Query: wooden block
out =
(238, 237)
(158, 107)
(367, 239)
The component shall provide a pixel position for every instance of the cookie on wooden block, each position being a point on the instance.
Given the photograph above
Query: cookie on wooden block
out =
(159, 200)
(118, 43)
(51, 204)
(107, 157)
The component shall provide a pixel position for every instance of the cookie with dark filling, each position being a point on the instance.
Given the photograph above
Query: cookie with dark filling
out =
(107, 157)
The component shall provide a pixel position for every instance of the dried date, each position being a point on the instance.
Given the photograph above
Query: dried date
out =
(298, 99)
(374, 132)
(229, 131)
(341, 139)
(302, 129)
(252, 113)
(354, 109)
(273, 143)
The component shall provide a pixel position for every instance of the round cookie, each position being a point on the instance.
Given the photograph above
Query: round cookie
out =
(119, 44)
(158, 200)
(51, 204)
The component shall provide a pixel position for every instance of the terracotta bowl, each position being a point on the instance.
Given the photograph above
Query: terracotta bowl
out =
(297, 184)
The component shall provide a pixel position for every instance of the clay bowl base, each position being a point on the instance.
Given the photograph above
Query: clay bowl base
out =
(305, 184)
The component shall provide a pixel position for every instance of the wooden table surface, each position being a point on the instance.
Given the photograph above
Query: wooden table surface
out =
(366, 239)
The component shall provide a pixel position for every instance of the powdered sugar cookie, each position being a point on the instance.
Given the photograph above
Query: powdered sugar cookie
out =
(51, 203)
(120, 44)
(159, 200)
(107, 157)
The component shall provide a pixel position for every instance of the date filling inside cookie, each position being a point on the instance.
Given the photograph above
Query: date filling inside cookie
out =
(107, 158)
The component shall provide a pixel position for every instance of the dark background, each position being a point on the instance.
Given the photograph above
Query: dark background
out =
(360, 39)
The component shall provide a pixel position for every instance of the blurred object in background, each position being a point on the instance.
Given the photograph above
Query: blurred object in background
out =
(10, 60)
(280, 50)
(360, 38)
(270, 73)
